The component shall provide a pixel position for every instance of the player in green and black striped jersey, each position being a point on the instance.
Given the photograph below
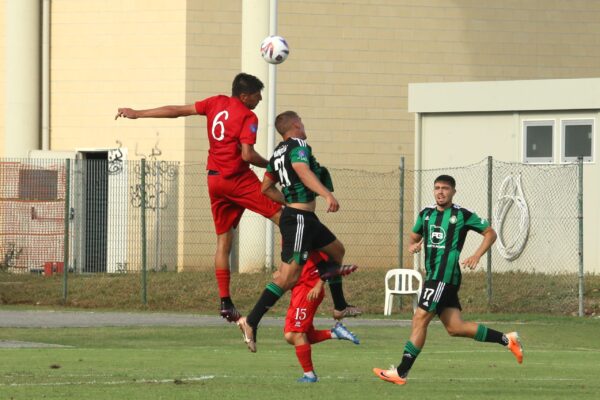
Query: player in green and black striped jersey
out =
(301, 178)
(291, 151)
(444, 233)
(443, 228)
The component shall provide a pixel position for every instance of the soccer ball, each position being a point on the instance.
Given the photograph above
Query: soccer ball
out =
(274, 49)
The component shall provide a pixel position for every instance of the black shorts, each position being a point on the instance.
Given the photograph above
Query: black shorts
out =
(437, 295)
(301, 232)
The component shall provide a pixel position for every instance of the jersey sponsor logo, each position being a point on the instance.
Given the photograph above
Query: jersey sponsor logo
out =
(253, 128)
(437, 236)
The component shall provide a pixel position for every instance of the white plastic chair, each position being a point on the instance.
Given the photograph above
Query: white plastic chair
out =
(403, 283)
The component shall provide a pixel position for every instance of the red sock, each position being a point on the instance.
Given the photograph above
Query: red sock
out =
(223, 277)
(304, 354)
(315, 336)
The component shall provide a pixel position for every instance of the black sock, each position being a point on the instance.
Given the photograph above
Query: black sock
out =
(267, 299)
(411, 352)
(337, 293)
(485, 334)
(227, 301)
(327, 268)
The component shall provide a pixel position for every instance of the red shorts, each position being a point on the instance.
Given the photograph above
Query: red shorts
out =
(301, 312)
(229, 197)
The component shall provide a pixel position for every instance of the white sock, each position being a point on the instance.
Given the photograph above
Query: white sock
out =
(310, 374)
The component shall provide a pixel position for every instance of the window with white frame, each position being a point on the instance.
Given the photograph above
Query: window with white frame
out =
(538, 139)
(577, 140)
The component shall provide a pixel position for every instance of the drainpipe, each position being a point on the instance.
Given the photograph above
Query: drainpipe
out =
(46, 75)
(22, 90)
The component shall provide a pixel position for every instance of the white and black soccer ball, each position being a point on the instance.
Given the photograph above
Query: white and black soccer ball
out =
(274, 49)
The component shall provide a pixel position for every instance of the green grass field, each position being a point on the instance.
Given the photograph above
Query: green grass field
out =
(562, 360)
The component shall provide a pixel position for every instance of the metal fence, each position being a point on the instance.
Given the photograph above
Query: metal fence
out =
(111, 216)
(535, 210)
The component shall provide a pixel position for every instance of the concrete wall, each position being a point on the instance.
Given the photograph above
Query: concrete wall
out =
(452, 140)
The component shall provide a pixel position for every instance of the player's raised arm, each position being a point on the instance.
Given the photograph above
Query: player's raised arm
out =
(158, 112)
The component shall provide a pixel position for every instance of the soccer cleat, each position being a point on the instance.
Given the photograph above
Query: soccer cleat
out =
(339, 271)
(348, 312)
(514, 345)
(390, 375)
(229, 312)
(347, 269)
(308, 379)
(248, 333)
(343, 333)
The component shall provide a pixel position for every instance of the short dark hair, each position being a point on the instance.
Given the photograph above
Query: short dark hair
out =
(284, 121)
(245, 83)
(447, 179)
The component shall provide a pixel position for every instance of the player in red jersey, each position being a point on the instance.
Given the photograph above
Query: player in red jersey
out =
(232, 185)
(306, 297)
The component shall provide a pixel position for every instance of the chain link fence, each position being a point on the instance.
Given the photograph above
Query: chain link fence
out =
(535, 211)
(151, 216)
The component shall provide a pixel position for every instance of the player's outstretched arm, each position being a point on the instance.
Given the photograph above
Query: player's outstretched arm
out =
(311, 181)
(159, 112)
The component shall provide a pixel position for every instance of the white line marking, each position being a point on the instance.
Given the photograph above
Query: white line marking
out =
(127, 382)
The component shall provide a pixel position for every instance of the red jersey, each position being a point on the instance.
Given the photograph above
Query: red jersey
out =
(310, 274)
(229, 124)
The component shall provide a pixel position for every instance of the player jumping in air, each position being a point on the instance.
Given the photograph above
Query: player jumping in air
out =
(302, 179)
(232, 186)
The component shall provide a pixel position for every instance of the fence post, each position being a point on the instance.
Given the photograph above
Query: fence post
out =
(401, 222)
(580, 217)
(490, 166)
(143, 219)
(66, 233)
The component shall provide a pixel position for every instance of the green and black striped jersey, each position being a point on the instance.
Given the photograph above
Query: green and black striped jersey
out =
(444, 234)
(280, 168)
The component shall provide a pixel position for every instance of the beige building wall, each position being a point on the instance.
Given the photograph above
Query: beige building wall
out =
(117, 54)
(213, 58)
(350, 64)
